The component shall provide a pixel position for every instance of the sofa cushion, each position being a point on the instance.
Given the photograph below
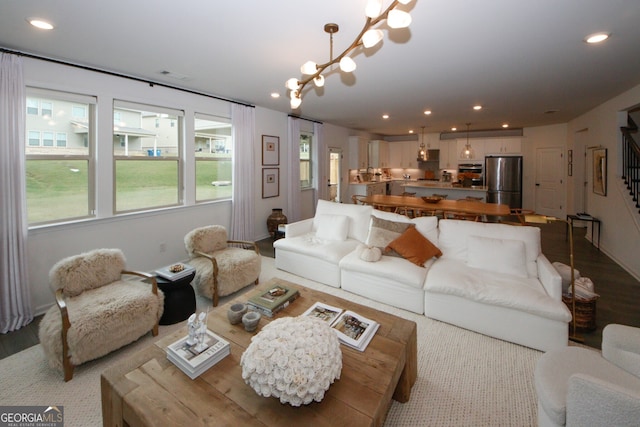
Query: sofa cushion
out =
(500, 255)
(332, 227)
(358, 217)
(327, 250)
(393, 268)
(453, 236)
(382, 231)
(426, 225)
(414, 247)
(455, 277)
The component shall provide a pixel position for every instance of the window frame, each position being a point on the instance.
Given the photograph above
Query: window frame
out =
(229, 139)
(303, 184)
(178, 158)
(58, 153)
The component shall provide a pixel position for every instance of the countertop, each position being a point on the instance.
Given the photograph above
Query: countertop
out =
(444, 186)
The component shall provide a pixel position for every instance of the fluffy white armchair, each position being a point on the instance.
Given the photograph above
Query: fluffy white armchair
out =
(580, 387)
(222, 266)
(96, 311)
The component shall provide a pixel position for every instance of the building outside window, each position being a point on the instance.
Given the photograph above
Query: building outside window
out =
(305, 160)
(147, 153)
(214, 158)
(58, 165)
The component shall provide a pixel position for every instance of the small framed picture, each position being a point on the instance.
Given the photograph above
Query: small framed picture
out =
(270, 150)
(270, 182)
(600, 171)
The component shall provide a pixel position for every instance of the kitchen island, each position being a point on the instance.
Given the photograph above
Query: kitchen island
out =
(429, 188)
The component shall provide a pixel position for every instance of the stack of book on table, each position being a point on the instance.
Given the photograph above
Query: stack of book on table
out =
(194, 359)
(175, 271)
(353, 330)
(273, 300)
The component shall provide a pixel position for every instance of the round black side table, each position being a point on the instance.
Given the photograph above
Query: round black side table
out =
(179, 299)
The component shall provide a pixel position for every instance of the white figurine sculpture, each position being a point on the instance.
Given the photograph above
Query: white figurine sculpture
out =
(191, 327)
(201, 331)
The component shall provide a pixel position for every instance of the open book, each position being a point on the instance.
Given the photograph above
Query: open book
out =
(353, 330)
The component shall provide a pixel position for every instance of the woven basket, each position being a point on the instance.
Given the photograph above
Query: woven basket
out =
(585, 312)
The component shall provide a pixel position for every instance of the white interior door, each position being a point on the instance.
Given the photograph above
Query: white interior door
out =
(335, 177)
(549, 182)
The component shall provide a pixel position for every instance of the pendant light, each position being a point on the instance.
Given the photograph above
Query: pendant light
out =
(467, 150)
(369, 36)
(423, 154)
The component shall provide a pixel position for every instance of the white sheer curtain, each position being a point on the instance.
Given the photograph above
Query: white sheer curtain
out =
(294, 198)
(15, 296)
(320, 170)
(243, 120)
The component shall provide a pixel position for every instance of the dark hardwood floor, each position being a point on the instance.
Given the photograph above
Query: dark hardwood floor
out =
(619, 300)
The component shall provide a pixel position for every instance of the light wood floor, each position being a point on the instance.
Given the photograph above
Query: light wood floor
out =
(619, 300)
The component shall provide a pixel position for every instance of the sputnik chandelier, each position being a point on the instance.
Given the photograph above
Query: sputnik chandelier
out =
(368, 37)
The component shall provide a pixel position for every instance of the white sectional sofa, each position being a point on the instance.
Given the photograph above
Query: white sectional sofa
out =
(491, 278)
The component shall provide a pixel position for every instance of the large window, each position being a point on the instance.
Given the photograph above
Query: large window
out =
(305, 159)
(214, 150)
(147, 147)
(59, 170)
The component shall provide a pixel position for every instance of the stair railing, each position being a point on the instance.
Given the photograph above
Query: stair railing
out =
(631, 161)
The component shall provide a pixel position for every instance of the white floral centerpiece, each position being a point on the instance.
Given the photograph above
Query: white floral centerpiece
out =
(293, 358)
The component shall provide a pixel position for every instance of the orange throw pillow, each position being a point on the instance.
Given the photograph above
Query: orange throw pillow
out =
(414, 247)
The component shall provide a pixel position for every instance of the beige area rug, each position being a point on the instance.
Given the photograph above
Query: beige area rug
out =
(464, 378)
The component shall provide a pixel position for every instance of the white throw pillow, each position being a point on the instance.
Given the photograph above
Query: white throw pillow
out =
(499, 255)
(332, 227)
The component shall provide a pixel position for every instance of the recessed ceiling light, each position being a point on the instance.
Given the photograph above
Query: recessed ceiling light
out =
(385, 116)
(477, 107)
(40, 23)
(428, 112)
(410, 130)
(275, 95)
(454, 129)
(505, 125)
(596, 37)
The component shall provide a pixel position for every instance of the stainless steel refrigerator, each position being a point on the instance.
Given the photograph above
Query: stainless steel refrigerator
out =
(503, 177)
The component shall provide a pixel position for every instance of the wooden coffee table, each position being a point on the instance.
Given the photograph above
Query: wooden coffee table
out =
(148, 390)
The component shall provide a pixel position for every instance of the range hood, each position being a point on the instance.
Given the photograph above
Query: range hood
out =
(434, 156)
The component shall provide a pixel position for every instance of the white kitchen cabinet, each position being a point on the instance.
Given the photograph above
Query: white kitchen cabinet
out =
(502, 146)
(448, 154)
(396, 187)
(379, 154)
(395, 155)
(410, 155)
(377, 188)
(477, 146)
(358, 152)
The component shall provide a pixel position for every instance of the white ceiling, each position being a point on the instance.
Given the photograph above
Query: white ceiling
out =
(517, 58)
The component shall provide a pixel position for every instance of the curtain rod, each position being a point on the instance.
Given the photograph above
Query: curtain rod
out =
(113, 73)
(304, 118)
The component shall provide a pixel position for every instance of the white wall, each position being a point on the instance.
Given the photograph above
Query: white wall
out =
(620, 237)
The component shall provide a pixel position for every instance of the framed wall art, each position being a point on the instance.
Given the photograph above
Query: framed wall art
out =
(270, 182)
(270, 150)
(600, 171)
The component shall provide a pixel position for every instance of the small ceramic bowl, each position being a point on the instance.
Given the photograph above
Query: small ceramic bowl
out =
(250, 320)
(235, 313)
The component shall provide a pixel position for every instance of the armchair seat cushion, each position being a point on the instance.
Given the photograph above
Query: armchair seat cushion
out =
(555, 369)
(237, 268)
(102, 320)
